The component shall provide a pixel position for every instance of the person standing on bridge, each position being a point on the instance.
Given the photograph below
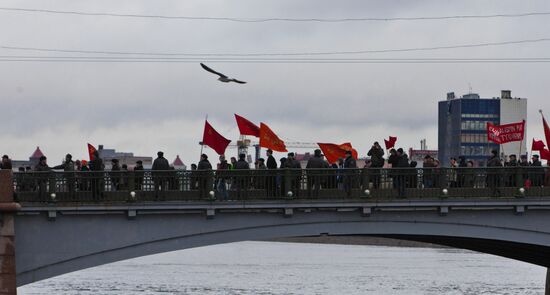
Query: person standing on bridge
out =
(493, 173)
(204, 175)
(160, 170)
(294, 174)
(97, 167)
(6, 163)
(138, 174)
(271, 181)
(221, 176)
(314, 174)
(376, 154)
(43, 178)
(242, 179)
(349, 173)
(68, 167)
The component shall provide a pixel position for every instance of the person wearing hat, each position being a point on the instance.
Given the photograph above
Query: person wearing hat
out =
(314, 172)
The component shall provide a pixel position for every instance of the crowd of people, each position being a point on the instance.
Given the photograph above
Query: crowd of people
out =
(396, 171)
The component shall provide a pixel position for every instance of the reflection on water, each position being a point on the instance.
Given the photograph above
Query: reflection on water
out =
(289, 268)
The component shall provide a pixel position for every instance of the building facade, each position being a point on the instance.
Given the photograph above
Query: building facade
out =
(462, 127)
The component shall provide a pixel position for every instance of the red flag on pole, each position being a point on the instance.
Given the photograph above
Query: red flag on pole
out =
(246, 127)
(500, 134)
(213, 139)
(546, 130)
(333, 151)
(537, 145)
(391, 142)
(91, 151)
(545, 154)
(268, 139)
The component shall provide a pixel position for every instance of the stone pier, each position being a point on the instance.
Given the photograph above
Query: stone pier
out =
(8, 208)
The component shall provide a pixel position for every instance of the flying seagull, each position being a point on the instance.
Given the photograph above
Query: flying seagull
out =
(222, 77)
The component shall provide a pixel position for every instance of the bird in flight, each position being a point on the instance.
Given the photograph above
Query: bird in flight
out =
(222, 77)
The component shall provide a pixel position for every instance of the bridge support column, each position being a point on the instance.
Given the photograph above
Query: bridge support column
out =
(7, 234)
(547, 288)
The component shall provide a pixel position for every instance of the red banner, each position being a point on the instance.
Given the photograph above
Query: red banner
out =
(246, 127)
(391, 142)
(505, 133)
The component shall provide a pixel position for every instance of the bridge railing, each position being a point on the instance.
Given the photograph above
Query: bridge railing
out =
(281, 184)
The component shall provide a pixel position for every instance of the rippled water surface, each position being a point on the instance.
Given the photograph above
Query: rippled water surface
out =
(289, 268)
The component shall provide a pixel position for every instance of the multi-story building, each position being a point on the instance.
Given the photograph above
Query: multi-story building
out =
(124, 158)
(463, 125)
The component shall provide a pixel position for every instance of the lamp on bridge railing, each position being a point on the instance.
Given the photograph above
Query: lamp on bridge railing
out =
(289, 194)
(367, 193)
(521, 191)
(211, 195)
(444, 193)
(53, 196)
(133, 195)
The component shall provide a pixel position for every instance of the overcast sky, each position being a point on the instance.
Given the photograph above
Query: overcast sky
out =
(146, 107)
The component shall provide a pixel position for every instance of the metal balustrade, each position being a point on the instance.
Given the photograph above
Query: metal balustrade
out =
(281, 184)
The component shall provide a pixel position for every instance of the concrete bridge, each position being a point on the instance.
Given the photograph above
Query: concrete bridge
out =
(43, 239)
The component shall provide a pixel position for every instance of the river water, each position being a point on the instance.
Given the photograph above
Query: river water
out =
(296, 268)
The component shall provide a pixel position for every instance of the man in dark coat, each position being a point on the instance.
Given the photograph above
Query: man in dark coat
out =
(68, 167)
(401, 173)
(376, 154)
(536, 171)
(242, 179)
(294, 175)
(350, 174)
(511, 171)
(315, 173)
(138, 174)
(96, 166)
(115, 175)
(271, 180)
(160, 173)
(204, 175)
(43, 178)
(493, 173)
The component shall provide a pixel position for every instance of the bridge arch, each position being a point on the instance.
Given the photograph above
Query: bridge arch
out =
(73, 242)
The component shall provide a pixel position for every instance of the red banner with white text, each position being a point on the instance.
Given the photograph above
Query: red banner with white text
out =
(505, 133)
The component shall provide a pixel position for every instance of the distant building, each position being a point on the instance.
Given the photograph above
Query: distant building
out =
(123, 157)
(463, 124)
(178, 164)
(32, 162)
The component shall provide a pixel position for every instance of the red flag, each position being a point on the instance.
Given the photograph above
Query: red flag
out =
(332, 152)
(500, 134)
(537, 145)
(246, 127)
(545, 154)
(91, 151)
(546, 130)
(347, 147)
(213, 139)
(268, 139)
(391, 142)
